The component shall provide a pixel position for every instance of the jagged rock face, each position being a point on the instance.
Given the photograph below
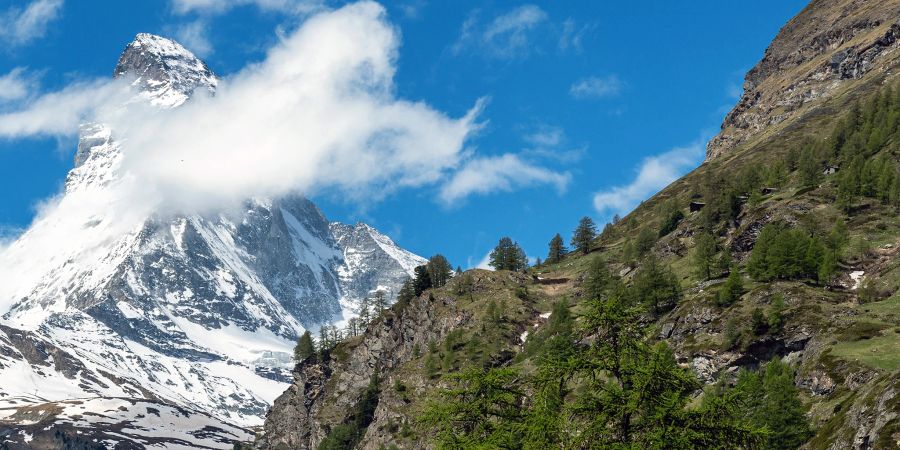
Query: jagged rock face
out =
(829, 46)
(331, 388)
(192, 310)
(165, 71)
(371, 259)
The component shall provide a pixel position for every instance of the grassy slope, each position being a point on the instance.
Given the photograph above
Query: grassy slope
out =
(848, 340)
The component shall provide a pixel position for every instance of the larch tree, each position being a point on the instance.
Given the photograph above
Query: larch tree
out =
(584, 235)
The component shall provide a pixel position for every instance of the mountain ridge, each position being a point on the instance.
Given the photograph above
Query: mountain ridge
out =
(196, 310)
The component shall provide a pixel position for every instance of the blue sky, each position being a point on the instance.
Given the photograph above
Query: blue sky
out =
(611, 98)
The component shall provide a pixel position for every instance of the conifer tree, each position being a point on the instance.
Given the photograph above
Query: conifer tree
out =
(557, 249)
(379, 302)
(704, 255)
(507, 255)
(732, 290)
(439, 270)
(421, 280)
(584, 235)
(304, 348)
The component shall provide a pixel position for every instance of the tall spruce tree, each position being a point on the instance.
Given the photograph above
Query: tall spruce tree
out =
(557, 249)
(507, 255)
(439, 270)
(584, 235)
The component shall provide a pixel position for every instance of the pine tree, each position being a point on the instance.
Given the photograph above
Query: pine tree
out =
(421, 280)
(439, 270)
(732, 290)
(304, 348)
(507, 255)
(379, 302)
(808, 167)
(704, 255)
(776, 313)
(407, 292)
(644, 242)
(365, 310)
(557, 249)
(584, 235)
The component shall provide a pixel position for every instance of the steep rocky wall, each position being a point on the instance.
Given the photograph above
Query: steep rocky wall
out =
(326, 390)
(830, 45)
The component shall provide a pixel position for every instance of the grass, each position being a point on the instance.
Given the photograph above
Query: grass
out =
(880, 352)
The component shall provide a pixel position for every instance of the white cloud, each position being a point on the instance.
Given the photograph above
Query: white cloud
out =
(572, 35)
(318, 114)
(546, 136)
(655, 173)
(221, 6)
(596, 87)
(195, 37)
(502, 173)
(506, 36)
(59, 113)
(550, 142)
(484, 263)
(15, 85)
(21, 25)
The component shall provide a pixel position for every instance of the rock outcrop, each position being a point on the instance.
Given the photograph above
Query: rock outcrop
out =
(831, 45)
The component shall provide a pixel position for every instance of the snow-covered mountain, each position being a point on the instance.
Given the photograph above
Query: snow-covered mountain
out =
(197, 311)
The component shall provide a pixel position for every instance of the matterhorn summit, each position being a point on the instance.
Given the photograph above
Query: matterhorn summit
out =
(184, 314)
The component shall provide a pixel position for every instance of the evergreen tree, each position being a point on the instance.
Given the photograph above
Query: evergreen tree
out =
(672, 216)
(644, 242)
(507, 255)
(656, 286)
(439, 270)
(304, 348)
(379, 302)
(732, 289)
(407, 292)
(776, 313)
(421, 280)
(704, 255)
(557, 249)
(808, 167)
(584, 235)
(365, 310)
(771, 400)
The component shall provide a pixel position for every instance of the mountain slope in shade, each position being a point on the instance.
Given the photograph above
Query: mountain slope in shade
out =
(196, 311)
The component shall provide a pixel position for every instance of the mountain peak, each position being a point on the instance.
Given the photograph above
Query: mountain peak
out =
(163, 70)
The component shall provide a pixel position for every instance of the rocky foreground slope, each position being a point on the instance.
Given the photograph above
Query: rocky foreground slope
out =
(796, 153)
(191, 316)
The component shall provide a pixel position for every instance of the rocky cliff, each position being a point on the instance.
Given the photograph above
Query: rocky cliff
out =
(830, 47)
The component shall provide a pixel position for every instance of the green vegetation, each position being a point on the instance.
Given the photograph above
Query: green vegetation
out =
(584, 235)
(557, 249)
(507, 255)
(304, 348)
(617, 392)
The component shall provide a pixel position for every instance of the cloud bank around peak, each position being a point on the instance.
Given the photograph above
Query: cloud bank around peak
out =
(318, 114)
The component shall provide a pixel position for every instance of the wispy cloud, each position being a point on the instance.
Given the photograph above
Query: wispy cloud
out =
(596, 87)
(195, 37)
(318, 114)
(507, 36)
(16, 85)
(572, 35)
(19, 25)
(551, 143)
(502, 173)
(654, 173)
(222, 6)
